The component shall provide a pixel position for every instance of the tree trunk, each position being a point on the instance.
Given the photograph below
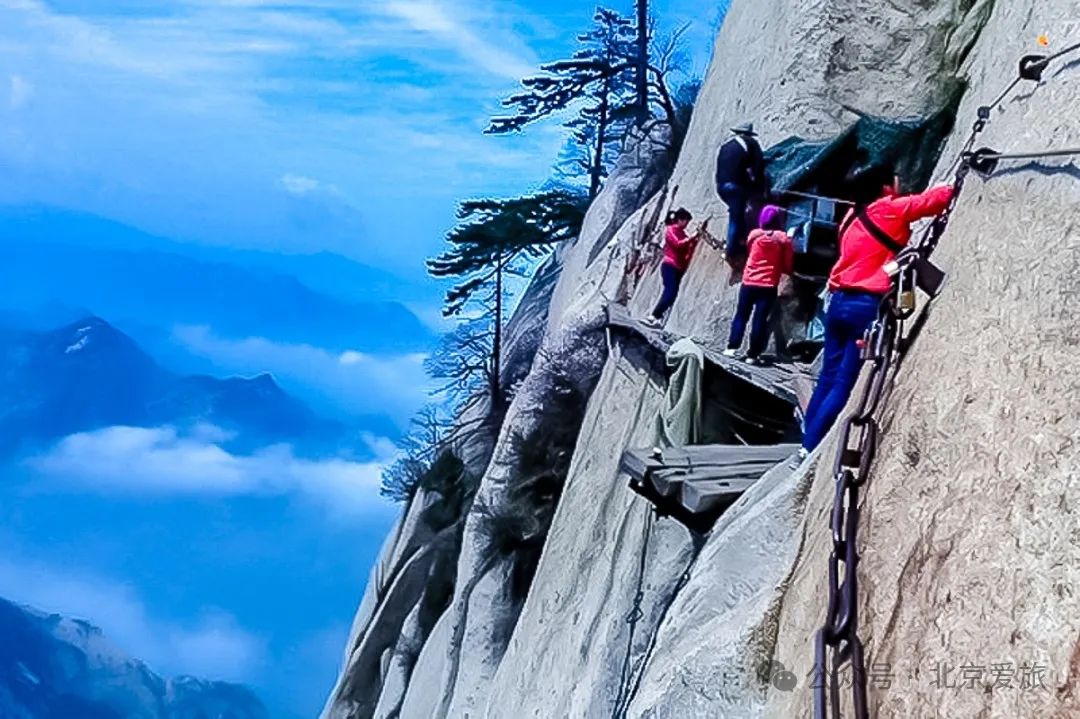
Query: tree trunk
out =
(596, 172)
(496, 344)
(642, 61)
(668, 105)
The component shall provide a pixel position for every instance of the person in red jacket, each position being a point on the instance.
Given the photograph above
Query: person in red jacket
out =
(678, 250)
(859, 283)
(770, 255)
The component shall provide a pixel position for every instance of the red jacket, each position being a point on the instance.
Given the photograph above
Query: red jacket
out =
(771, 255)
(678, 248)
(862, 258)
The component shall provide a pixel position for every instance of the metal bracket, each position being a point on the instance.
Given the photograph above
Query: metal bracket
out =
(984, 160)
(1033, 66)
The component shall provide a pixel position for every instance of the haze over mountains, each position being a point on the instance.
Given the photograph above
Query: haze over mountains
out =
(88, 375)
(227, 411)
(57, 265)
(52, 667)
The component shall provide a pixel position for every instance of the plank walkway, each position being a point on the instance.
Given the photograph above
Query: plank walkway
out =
(696, 484)
(790, 381)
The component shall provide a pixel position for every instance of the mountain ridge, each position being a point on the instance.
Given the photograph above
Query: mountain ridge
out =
(41, 269)
(326, 271)
(56, 667)
(89, 375)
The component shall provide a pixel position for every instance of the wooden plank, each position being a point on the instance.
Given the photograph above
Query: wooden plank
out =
(669, 482)
(717, 454)
(775, 378)
(696, 483)
(705, 479)
(778, 379)
(636, 463)
(803, 386)
(703, 497)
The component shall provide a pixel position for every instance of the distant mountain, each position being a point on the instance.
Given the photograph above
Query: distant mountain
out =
(89, 375)
(52, 667)
(325, 272)
(53, 258)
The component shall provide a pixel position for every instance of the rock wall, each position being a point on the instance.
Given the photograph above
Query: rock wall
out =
(969, 540)
(573, 348)
(969, 537)
(462, 651)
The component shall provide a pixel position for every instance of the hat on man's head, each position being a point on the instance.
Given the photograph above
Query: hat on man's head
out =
(747, 128)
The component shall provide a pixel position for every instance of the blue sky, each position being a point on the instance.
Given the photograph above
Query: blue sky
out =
(352, 126)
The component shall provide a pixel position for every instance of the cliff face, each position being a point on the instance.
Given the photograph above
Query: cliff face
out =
(969, 541)
(970, 531)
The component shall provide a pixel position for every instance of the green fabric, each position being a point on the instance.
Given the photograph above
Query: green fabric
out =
(912, 144)
(679, 421)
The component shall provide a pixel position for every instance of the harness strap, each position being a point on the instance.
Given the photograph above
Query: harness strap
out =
(873, 228)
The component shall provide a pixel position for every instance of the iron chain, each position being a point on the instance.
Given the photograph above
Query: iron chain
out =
(883, 345)
(854, 460)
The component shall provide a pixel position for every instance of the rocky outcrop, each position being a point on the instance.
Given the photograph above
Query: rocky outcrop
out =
(556, 333)
(573, 623)
(573, 349)
(969, 540)
(399, 609)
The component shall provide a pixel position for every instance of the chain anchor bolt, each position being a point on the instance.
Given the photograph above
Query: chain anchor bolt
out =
(1033, 66)
(984, 161)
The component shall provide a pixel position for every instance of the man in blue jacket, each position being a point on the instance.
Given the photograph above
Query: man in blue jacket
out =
(740, 176)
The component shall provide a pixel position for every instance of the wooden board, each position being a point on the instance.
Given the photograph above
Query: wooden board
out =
(696, 483)
(702, 497)
(786, 380)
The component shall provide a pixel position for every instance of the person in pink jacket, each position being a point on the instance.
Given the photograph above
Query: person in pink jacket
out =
(770, 255)
(678, 250)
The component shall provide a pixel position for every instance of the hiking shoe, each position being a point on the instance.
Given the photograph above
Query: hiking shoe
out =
(729, 352)
(650, 321)
(753, 361)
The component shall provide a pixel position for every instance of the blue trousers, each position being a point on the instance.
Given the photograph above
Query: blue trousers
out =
(735, 197)
(672, 278)
(850, 315)
(758, 301)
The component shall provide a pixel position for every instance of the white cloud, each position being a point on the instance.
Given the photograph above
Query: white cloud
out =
(217, 645)
(352, 382)
(434, 19)
(213, 646)
(381, 100)
(164, 462)
(20, 91)
(299, 185)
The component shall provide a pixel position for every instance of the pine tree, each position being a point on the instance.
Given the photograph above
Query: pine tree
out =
(599, 77)
(419, 449)
(641, 61)
(615, 80)
(496, 238)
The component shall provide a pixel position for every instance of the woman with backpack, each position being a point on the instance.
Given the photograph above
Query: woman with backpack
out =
(870, 238)
(770, 255)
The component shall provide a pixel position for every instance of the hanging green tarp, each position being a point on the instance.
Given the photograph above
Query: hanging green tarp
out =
(913, 145)
(679, 421)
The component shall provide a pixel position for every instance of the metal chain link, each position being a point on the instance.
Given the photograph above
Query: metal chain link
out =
(635, 615)
(855, 456)
(883, 346)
